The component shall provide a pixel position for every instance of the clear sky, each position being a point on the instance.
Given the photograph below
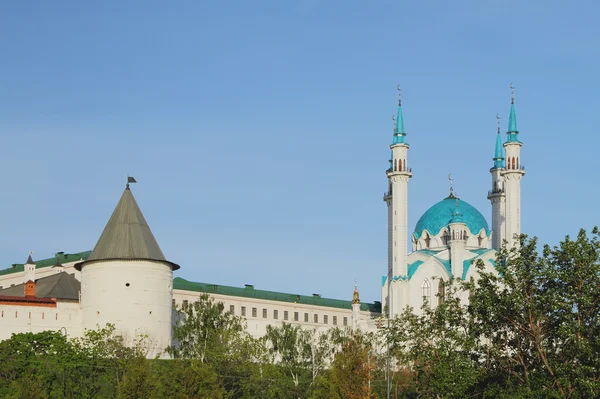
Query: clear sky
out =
(259, 131)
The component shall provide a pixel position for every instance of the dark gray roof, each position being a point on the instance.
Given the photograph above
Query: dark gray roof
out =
(30, 261)
(127, 236)
(59, 286)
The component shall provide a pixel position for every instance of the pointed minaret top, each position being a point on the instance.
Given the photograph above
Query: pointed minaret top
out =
(399, 117)
(512, 118)
(29, 259)
(399, 133)
(127, 236)
(498, 154)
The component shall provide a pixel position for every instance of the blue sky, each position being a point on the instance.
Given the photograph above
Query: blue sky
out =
(259, 131)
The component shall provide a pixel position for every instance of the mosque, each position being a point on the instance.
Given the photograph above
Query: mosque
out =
(126, 279)
(451, 235)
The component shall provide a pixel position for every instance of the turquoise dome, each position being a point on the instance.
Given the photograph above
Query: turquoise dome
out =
(439, 216)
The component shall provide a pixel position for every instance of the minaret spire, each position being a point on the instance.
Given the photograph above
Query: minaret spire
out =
(499, 152)
(399, 133)
(512, 118)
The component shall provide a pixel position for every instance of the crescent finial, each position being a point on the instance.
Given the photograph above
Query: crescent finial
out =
(399, 95)
(498, 119)
(512, 94)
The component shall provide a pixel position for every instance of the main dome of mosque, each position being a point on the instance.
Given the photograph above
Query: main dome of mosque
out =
(439, 216)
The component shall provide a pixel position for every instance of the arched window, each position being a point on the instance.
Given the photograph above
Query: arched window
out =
(395, 166)
(513, 163)
(426, 292)
(427, 240)
(517, 162)
(480, 238)
(404, 164)
(441, 292)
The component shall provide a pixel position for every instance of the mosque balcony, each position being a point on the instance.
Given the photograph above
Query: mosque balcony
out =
(493, 193)
(396, 172)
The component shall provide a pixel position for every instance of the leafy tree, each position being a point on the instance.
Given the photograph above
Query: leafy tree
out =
(435, 348)
(353, 369)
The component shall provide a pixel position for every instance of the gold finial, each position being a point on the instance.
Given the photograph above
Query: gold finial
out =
(355, 296)
(498, 118)
(451, 180)
(399, 95)
(512, 94)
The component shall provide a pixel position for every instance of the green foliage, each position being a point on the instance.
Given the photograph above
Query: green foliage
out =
(531, 330)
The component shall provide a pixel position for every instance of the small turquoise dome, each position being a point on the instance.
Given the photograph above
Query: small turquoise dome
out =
(439, 216)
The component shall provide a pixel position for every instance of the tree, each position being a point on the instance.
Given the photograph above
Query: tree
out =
(353, 369)
(539, 319)
(435, 348)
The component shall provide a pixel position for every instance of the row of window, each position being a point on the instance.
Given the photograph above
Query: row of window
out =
(286, 314)
(17, 315)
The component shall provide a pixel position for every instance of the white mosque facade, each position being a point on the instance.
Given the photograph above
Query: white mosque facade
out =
(126, 280)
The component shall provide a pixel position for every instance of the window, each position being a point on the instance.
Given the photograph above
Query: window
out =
(306, 317)
(345, 321)
(264, 313)
(296, 317)
(325, 319)
(335, 320)
(441, 292)
(426, 292)
(243, 311)
(232, 309)
(316, 317)
(185, 304)
(285, 315)
(275, 314)
(254, 312)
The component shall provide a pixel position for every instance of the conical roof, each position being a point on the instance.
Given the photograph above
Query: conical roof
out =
(127, 236)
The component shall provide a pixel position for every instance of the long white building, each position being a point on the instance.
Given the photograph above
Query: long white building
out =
(126, 279)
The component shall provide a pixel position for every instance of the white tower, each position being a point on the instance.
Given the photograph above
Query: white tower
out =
(29, 269)
(127, 280)
(497, 195)
(397, 201)
(456, 241)
(512, 177)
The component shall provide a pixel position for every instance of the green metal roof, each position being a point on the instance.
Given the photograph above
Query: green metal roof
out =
(182, 284)
(62, 257)
(249, 292)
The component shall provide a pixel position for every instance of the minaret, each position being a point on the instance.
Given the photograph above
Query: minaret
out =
(456, 241)
(127, 281)
(512, 176)
(397, 201)
(497, 195)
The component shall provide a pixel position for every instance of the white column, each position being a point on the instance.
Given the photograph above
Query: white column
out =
(497, 197)
(512, 178)
(399, 176)
(457, 245)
